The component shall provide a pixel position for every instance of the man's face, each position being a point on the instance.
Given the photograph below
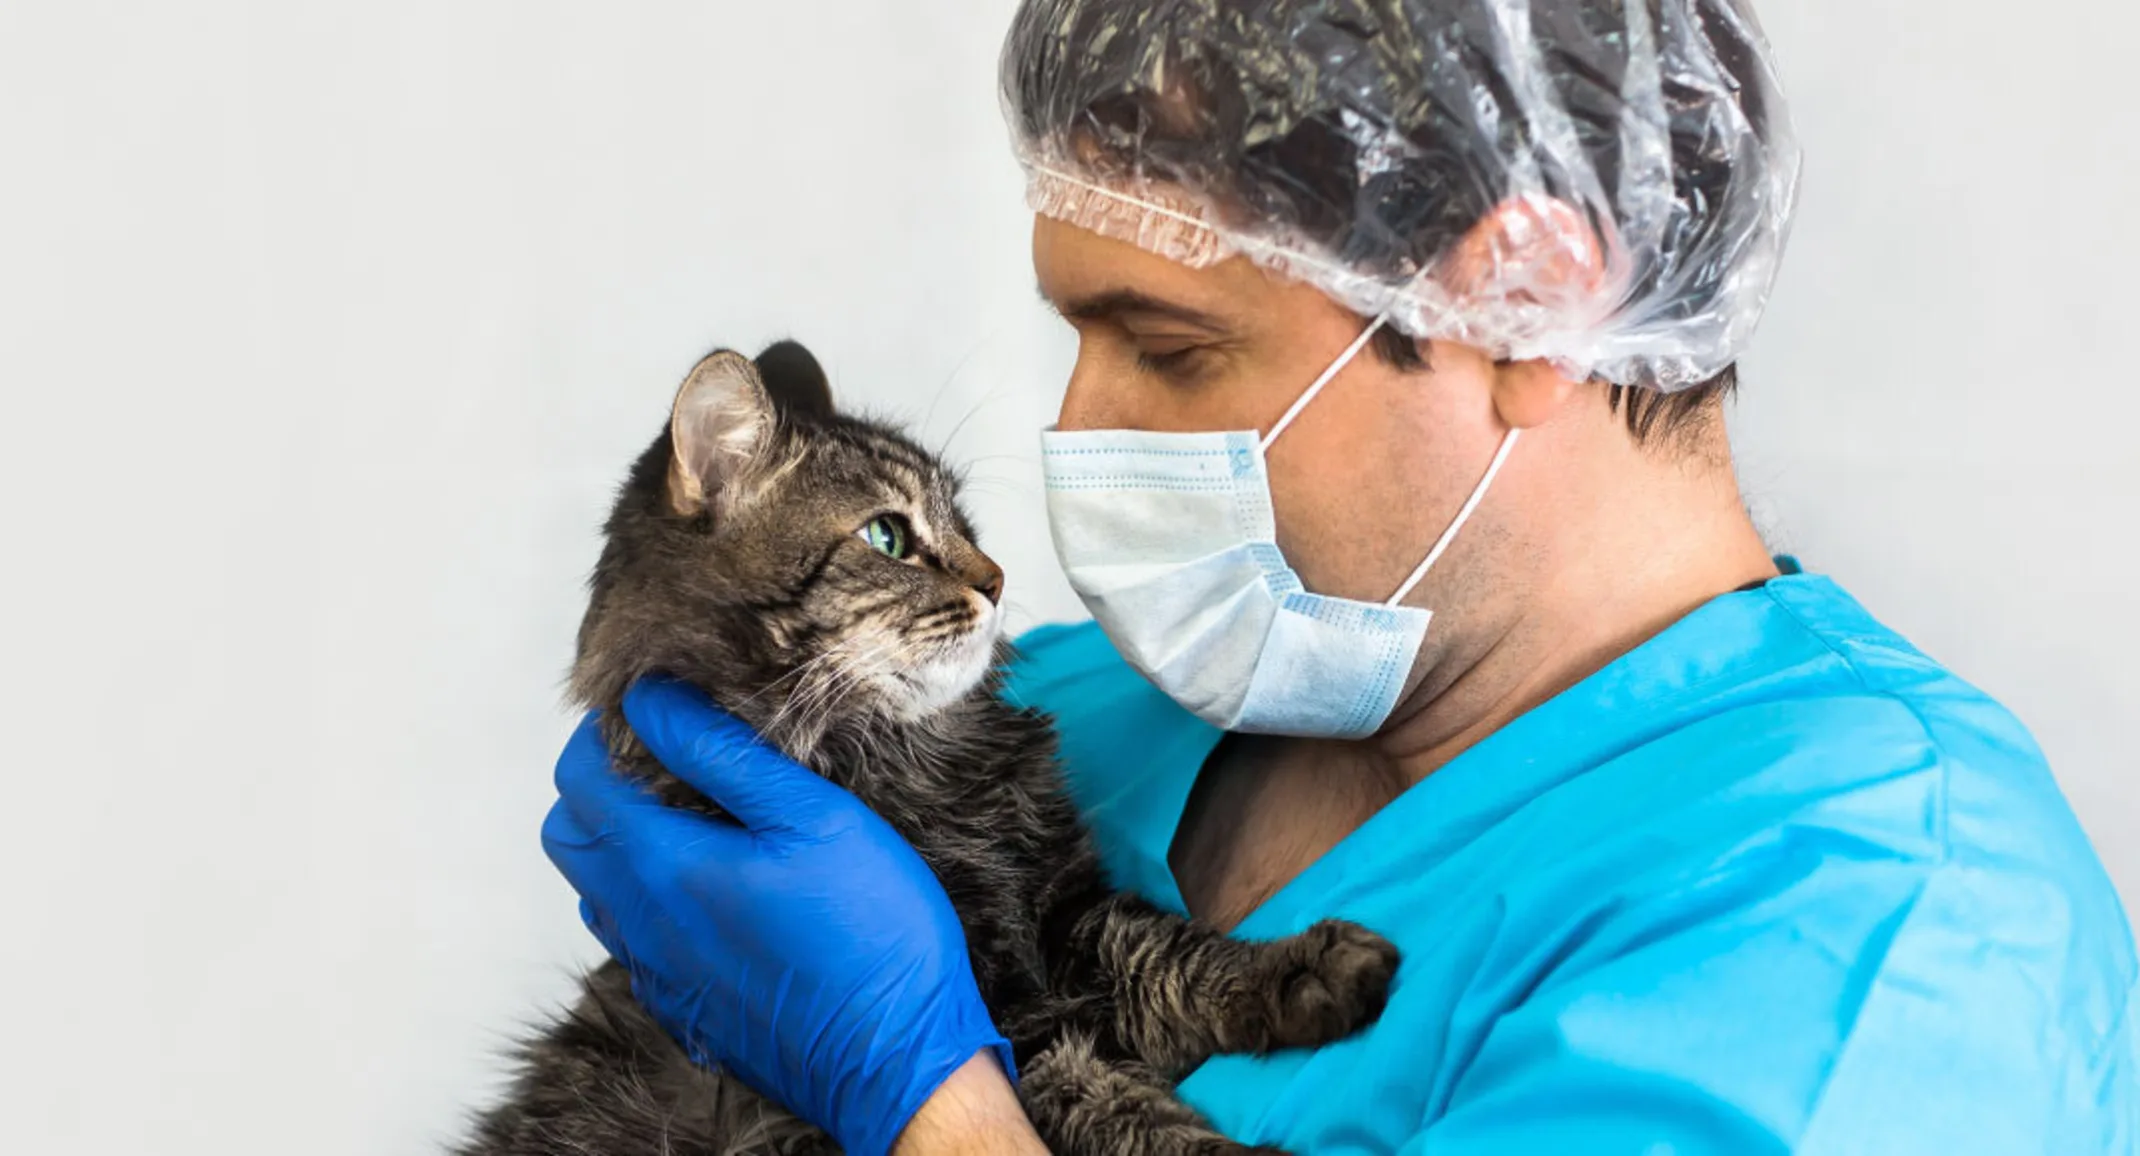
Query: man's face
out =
(1369, 474)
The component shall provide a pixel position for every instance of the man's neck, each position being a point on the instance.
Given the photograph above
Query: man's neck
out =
(1605, 589)
(1641, 540)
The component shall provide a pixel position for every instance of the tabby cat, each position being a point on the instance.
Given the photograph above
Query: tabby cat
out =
(813, 573)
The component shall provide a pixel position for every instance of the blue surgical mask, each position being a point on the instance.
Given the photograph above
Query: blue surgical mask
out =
(1170, 541)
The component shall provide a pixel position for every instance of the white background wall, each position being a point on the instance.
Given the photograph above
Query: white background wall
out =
(324, 333)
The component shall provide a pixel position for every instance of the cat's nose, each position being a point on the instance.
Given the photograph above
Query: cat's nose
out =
(987, 577)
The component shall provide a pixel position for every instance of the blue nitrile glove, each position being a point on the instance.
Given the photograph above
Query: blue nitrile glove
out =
(804, 947)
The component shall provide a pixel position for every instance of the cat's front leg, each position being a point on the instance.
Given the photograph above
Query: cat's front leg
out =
(1084, 1103)
(1182, 991)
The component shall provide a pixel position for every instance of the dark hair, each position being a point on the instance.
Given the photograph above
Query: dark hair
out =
(1651, 414)
(1258, 105)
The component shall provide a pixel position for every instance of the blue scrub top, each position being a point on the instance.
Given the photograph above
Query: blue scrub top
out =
(1773, 882)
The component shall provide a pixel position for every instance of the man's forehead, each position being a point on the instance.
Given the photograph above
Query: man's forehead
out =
(1082, 273)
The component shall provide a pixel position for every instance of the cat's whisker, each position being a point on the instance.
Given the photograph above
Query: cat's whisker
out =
(833, 702)
(990, 398)
(1000, 487)
(799, 672)
(806, 692)
(1013, 613)
(809, 701)
(860, 670)
(1010, 479)
(803, 701)
(950, 381)
(986, 458)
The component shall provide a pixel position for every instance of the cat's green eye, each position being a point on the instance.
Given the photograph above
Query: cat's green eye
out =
(889, 535)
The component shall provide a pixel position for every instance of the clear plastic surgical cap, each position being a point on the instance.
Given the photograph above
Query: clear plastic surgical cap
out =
(1607, 184)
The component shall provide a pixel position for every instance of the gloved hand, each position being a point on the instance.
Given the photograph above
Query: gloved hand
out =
(805, 947)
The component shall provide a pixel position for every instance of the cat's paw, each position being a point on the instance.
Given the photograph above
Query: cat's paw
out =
(1334, 981)
(1221, 1146)
(1217, 1145)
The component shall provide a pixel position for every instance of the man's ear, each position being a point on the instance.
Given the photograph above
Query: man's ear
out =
(1536, 251)
(721, 424)
(1533, 253)
(1528, 393)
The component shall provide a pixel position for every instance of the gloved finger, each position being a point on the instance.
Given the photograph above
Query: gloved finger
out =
(582, 857)
(604, 930)
(604, 801)
(643, 849)
(726, 761)
(588, 783)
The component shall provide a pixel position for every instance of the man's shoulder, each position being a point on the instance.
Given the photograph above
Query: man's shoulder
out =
(1901, 710)
(1923, 815)
(1834, 836)
(1845, 722)
(1864, 775)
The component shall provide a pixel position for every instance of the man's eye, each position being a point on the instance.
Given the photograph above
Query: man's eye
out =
(1174, 363)
(889, 535)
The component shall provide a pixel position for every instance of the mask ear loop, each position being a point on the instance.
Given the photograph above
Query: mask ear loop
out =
(1471, 504)
(1359, 343)
(1462, 516)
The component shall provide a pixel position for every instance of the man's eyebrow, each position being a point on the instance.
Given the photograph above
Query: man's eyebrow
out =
(1110, 304)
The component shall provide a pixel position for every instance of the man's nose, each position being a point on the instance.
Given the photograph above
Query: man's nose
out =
(1091, 400)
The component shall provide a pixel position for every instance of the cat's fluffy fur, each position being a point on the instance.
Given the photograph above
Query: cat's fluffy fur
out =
(734, 563)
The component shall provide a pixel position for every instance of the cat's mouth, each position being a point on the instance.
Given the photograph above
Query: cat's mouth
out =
(945, 672)
(884, 672)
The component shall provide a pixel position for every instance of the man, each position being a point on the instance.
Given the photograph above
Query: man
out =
(1394, 472)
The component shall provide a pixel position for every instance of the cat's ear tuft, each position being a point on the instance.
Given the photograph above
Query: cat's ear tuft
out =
(721, 424)
(795, 380)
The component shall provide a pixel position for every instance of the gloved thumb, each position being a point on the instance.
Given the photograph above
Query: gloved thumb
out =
(724, 759)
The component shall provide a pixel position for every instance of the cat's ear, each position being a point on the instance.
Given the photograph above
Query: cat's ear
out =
(722, 423)
(795, 380)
